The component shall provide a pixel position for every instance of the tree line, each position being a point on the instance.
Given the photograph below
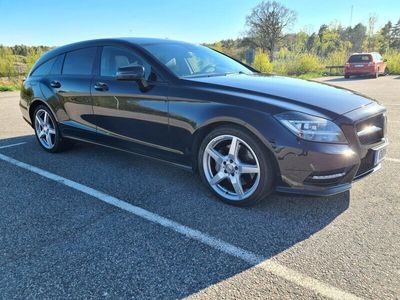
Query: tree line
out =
(307, 52)
(268, 48)
(17, 60)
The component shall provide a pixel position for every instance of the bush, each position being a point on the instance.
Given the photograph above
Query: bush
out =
(261, 62)
(280, 67)
(337, 58)
(306, 63)
(393, 62)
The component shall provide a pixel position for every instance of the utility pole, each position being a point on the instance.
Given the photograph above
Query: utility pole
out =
(351, 15)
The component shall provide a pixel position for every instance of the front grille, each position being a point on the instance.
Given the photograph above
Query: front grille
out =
(372, 130)
(367, 163)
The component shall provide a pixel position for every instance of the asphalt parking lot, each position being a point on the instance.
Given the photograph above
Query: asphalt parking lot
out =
(98, 223)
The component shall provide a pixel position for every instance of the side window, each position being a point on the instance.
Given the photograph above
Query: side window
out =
(79, 62)
(44, 69)
(57, 66)
(113, 58)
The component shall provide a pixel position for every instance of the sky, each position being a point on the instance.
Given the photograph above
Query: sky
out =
(54, 22)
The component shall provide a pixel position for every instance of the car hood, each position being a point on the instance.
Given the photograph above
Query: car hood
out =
(314, 95)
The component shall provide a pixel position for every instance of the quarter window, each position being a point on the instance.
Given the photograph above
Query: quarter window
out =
(57, 66)
(79, 62)
(44, 69)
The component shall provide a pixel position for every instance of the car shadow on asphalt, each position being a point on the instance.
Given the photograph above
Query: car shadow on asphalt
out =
(342, 79)
(267, 229)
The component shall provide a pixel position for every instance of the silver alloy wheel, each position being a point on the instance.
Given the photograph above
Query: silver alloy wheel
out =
(231, 167)
(45, 129)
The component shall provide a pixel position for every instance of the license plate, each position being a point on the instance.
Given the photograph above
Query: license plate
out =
(359, 66)
(379, 155)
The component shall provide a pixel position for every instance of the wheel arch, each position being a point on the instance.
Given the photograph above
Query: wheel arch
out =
(34, 104)
(209, 126)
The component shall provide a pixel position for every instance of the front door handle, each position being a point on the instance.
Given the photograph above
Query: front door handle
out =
(101, 86)
(55, 84)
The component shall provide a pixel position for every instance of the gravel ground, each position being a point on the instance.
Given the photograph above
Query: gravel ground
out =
(57, 242)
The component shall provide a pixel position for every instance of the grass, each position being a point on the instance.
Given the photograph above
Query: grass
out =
(9, 88)
(10, 84)
(309, 76)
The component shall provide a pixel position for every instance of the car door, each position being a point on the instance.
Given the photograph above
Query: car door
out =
(127, 116)
(72, 88)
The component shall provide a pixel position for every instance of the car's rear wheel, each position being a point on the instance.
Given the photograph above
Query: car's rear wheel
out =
(236, 166)
(46, 130)
(386, 72)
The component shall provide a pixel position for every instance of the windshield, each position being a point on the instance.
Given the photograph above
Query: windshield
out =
(186, 60)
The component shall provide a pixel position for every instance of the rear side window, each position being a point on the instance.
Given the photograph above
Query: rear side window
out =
(360, 58)
(378, 57)
(79, 62)
(57, 66)
(44, 69)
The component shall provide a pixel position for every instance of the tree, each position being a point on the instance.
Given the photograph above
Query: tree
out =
(356, 36)
(395, 36)
(372, 41)
(6, 62)
(266, 24)
(384, 37)
(33, 55)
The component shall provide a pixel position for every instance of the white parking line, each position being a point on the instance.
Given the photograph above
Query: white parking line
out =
(392, 159)
(12, 145)
(253, 259)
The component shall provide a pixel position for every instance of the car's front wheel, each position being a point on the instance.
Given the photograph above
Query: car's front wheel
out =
(236, 166)
(46, 130)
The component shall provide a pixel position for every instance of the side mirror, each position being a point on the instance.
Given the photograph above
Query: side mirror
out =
(385, 60)
(134, 73)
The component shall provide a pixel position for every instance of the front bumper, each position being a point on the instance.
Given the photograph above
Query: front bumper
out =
(317, 191)
(323, 169)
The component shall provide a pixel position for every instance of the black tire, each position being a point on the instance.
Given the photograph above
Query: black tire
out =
(266, 166)
(60, 144)
(346, 76)
(386, 72)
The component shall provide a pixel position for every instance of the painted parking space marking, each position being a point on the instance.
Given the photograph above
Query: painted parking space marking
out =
(12, 145)
(392, 159)
(249, 257)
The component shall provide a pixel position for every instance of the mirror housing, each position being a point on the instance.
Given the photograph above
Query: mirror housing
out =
(385, 60)
(133, 73)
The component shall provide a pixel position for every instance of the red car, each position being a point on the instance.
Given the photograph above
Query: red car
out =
(370, 64)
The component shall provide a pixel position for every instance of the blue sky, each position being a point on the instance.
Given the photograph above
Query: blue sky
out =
(53, 22)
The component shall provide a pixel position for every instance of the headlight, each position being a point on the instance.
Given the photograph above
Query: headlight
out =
(312, 128)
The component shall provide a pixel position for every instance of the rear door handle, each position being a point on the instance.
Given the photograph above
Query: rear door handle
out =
(55, 84)
(101, 86)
